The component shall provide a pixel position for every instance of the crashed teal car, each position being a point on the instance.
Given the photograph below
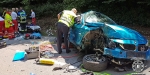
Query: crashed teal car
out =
(96, 31)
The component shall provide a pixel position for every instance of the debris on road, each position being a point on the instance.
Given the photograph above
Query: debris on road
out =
(87, 73)
(19, 38)
(32, 74)
(46, 54)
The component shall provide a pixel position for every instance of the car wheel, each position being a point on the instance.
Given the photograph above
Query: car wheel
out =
(91, 63)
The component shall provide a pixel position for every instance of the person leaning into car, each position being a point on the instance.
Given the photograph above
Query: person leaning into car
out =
(66, 20)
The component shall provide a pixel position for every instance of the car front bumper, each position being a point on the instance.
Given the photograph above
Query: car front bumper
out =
(118, 53)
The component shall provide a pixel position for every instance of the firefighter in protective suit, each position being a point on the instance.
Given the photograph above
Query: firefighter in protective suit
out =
(9, 31)
(22, 20)
(66, 19)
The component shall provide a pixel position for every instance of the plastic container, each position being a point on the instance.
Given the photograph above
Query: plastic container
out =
(46, 61)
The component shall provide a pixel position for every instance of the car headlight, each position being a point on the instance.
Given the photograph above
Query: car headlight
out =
(112, 44)
(121, 45)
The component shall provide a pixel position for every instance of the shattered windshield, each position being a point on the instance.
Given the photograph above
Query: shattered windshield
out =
(94, 17)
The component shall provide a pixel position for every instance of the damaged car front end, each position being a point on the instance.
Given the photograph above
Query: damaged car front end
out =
(128, 49)
(126, 46)
(119, 44)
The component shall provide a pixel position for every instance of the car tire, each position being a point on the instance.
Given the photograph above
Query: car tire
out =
(95, 66)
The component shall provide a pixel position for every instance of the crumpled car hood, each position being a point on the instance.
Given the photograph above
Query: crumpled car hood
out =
(121, 32)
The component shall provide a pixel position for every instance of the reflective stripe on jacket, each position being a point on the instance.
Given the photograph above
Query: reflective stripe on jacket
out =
(22, 17)
(8, 20)
(67, 18)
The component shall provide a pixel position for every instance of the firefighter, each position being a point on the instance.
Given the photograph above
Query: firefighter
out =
(66, 19)
(14, 19)
(22, 19)
(9, 30)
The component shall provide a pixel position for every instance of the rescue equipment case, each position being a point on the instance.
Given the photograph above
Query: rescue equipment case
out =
(32, 52)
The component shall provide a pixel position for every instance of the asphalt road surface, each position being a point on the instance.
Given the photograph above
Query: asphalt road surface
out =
(8, 67)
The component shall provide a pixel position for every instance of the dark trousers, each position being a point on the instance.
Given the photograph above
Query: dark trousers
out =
(23, 26)
(62, 31)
